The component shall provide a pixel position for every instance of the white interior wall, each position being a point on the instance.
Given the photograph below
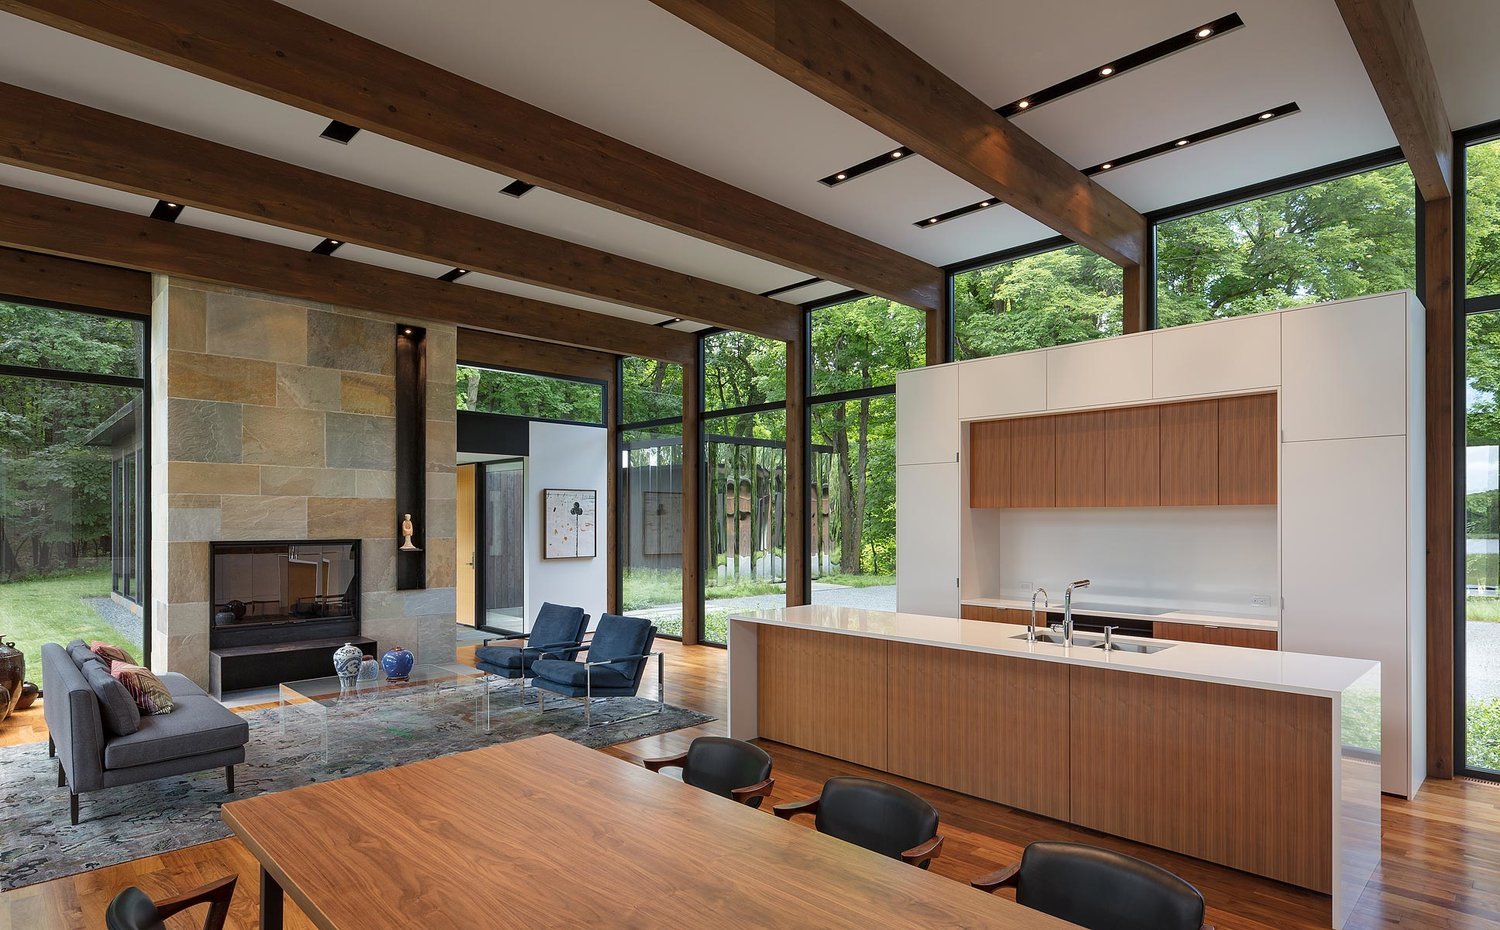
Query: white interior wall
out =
(564, 456)
(1205, 558)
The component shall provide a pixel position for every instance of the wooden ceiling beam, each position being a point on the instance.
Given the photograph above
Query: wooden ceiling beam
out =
(827, 48)
(52, 280)
(63, 138)
(281, 53)
(66, 228)
(1388, 37)
(481, 348)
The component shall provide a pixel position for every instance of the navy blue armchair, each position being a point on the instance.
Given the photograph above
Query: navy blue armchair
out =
(616, 663)
(558, 631)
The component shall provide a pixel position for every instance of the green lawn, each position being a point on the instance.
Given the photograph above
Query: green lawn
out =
(51, 610)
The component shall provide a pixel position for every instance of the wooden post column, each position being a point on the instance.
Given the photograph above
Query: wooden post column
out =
(797, 490)
(1438, 297)
(692, 499)
(1136, 299)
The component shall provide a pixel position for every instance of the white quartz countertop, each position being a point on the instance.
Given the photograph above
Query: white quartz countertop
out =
(1201, 617)
(1266, 669)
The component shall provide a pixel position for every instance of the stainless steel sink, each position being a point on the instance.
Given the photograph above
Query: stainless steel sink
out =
(1056, 639)
(1140, 648)
(1084, 641)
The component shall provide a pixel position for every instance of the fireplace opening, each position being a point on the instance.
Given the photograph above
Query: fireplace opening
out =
(272, 592)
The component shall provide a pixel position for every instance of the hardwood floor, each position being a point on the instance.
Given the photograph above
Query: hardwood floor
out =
(1441, 869)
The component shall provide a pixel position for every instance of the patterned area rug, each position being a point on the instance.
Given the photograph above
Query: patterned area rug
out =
(119, 824)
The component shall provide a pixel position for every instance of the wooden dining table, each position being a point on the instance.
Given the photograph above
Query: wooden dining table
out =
(543, 832)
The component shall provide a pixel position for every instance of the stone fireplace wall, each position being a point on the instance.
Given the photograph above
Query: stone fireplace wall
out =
(275, 419)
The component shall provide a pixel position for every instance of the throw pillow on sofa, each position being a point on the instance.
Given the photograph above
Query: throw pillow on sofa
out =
(110, 654)
(118, 711)
(151, 696)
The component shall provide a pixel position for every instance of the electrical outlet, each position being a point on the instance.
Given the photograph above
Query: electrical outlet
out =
(1260, 600)
(1027, 587)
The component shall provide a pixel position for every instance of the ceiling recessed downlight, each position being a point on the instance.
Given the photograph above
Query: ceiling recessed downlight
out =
(1205, 32)
(166, 211)
(1106, 71)
(339, 132)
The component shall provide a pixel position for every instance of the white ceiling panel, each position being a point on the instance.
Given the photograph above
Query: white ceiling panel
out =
(74, 190)
(1461, 35)
(516, 288)
(417, 266)
(247, 229)
(815, 291)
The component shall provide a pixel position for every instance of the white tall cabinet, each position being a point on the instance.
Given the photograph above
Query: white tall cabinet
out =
(1351, 504)
(928, 475)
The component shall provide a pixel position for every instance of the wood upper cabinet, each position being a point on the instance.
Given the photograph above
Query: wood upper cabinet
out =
(989, 463)
(1190, 454)
(1033, 462)
(1132, 457)
(1247, 449)
(1080, 459)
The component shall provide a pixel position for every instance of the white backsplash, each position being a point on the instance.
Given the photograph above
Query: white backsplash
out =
(1199, 558)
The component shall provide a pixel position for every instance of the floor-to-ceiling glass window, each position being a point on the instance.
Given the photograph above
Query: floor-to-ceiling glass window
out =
(1047, 298)
(649, 507)
(72, 479)
(744, 460)
(1479, 627)
(857, 348)
(1345, 237)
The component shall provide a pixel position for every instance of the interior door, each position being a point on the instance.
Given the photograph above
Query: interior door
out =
(465, 546)
(502, 569)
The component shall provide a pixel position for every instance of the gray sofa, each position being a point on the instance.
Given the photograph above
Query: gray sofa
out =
(101, 743)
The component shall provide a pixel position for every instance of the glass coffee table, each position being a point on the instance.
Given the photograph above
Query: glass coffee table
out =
(324, 697)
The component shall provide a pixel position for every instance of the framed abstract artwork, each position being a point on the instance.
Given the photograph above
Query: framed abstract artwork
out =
(569, 530)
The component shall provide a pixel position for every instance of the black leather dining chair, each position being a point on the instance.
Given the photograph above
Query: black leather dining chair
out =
(1099, 889)
(730, 768)
(880, 817)
(133, 909)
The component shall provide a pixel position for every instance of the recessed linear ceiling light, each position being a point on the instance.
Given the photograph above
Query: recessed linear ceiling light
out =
(1115, 68)
(1182, 142)
(795, 285)
(339, 132)
(1216, 132)
(453, 275)
(517, 188)
(327, 246)
(165, 210)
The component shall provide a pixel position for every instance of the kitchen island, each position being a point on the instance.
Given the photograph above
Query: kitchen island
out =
(1259, 760)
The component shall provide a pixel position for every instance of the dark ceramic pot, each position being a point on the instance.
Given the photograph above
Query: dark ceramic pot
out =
(397, 664)
(29, 692)
(224, 618)
(238, 607)
(12, 673)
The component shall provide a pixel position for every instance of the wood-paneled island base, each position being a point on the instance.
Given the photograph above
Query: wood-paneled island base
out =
(1263, 761)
